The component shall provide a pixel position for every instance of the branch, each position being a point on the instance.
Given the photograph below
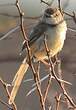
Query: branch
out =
(21, 14)
(9, 32)
(59, 5)
(8, 4)
(57, 79)
(6, 104)
(58, 98)
(42, 1)
(5, 85)
(73, 16)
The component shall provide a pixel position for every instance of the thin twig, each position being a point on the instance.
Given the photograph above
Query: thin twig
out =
(5, 85)
(29, 53)
(59, 4)
(62, 83)
(42, 1)
(58, 98)
(60, 76)
(21, 20)
(62, 87)
(47, 3)
(47, 87)
(38, 73)
(73, 16)
(41, 80)
(9, 32)
(59, 82)
(6, 104)
(50, 75)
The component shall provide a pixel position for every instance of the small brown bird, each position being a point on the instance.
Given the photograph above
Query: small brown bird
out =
(54, 25)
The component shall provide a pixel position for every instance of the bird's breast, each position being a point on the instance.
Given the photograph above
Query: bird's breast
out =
(56, 37)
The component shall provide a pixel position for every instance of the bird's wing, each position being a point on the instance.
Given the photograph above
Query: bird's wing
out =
(36, 33)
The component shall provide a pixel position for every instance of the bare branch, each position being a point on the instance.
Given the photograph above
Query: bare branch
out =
(57, 79)
(42, 1)
(59, 4)
(10, 32)
(6, 104)
(5, 85)
(58, 99)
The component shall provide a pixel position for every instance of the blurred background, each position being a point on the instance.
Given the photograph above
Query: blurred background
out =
(10, 49)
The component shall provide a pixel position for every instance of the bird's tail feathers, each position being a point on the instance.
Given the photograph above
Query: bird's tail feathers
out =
(18, 79)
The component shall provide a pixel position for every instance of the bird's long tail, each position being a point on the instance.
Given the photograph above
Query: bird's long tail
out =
(17, 80)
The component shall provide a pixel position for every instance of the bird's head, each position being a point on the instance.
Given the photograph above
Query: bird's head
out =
(53, 16)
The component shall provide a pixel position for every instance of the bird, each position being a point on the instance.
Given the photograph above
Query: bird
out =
(54, 26)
